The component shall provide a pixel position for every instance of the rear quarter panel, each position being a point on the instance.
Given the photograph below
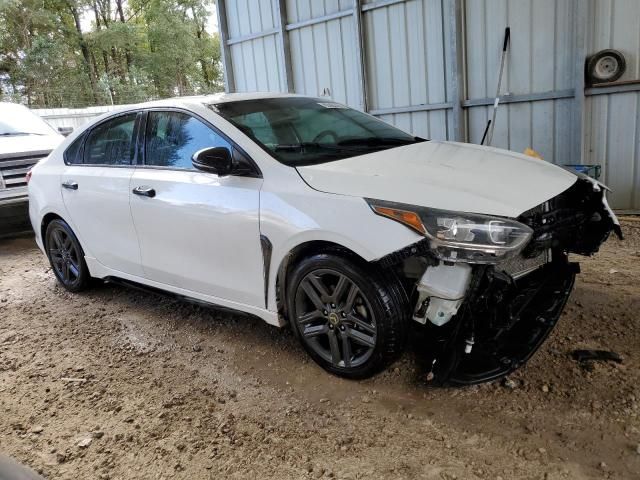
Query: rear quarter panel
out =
(45, 194)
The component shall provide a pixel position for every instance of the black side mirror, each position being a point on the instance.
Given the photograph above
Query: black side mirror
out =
(213, 160)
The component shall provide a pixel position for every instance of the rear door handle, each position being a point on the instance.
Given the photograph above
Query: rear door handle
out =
(144, 192)
(70, 185)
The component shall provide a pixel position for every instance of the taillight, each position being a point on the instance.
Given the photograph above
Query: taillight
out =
(29, 173)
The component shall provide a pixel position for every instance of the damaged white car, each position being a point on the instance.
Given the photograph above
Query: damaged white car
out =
(305, 212)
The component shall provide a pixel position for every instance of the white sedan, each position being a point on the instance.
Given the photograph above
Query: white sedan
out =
(307, 213)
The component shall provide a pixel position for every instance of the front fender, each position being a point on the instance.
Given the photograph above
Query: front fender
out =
(292, 219)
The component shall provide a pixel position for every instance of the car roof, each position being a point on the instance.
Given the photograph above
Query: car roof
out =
(196, 100)
(212, 99)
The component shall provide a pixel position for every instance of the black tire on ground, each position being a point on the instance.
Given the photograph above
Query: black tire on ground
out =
(349, 318)
(66, 256)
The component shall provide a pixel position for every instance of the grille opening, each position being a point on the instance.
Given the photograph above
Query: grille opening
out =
(13, 170)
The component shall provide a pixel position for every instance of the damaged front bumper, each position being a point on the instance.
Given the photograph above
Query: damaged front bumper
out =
(485, 321)
(578, 220)
(504, 321)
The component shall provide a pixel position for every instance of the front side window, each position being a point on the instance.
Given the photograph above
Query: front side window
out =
(173, 137)
(112, 142)
(303, 131)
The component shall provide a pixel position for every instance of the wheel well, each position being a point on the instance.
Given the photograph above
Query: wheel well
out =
(302, 251)
(46, 220)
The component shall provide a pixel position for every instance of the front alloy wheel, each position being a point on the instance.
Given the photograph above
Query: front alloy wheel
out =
(335, 319)
(347, 318)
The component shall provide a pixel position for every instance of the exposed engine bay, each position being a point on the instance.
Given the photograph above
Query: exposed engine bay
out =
(484, 320)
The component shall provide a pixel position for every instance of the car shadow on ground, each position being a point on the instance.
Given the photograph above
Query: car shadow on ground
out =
(289, 364)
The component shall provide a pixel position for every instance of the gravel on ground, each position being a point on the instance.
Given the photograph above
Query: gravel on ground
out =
(118, 383)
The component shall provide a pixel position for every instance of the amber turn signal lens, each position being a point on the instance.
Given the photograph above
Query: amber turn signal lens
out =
(410, 219)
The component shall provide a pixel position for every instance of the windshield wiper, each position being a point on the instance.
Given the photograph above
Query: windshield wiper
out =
(380, 141)
(352, 145)
(312, 145)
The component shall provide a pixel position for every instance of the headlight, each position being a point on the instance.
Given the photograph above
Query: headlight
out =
(460, 237)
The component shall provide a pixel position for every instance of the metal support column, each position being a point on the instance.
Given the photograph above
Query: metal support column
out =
(581, 16)
(283, 45)
(361, 70)
(454, 69)
(227, 65)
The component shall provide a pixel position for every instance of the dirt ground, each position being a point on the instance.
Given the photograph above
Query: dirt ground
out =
(115, 383)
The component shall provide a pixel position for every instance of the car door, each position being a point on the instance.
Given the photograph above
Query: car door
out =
(95, 191)
(198, 231)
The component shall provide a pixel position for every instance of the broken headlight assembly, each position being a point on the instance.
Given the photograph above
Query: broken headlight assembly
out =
(457, 236)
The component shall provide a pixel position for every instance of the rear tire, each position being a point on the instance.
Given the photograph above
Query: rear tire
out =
(350, 319)
(66, 256)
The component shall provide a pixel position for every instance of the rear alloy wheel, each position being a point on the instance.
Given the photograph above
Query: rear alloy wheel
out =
(350, 321)
(66, 256)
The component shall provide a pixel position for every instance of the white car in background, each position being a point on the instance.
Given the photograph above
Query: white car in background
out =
(305, 212)
(24, 140)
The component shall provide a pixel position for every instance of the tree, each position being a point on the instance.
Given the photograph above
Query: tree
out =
(87, 52)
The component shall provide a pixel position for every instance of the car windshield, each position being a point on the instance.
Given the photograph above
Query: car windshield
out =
(16, 120)
(301, 131)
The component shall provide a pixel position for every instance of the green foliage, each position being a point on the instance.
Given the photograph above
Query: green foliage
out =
(72, 53)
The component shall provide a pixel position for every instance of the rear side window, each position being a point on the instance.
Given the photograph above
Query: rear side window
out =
(173, 137)
(72, 155)
(111, 142)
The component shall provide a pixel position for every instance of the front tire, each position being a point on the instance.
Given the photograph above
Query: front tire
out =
(66, 256)
(348, 318)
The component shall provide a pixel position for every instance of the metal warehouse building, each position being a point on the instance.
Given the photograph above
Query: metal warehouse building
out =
(431, 68)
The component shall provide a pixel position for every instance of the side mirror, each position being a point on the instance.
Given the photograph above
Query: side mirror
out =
(66, 131)
(213, 160)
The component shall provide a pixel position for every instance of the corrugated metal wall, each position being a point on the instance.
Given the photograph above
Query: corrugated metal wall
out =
(430, 67)
(323, 55)
(405, 54)
(256, 64)
(612, 121)
(541, 59)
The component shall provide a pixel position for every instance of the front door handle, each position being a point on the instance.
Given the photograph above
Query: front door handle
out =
(70, 185)
(144, 192)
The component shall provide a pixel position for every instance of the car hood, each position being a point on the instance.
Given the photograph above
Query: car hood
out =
(22, 144)
(445, 175)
